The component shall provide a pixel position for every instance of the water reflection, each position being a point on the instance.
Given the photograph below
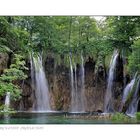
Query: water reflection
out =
(6, 118)
(48, 118)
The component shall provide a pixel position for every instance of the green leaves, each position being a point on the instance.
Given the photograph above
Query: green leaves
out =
(4, 49)
(134, 58)
(138, 116)
(6, 110)
(120, 117)
(11, 75)
(62, 34)
(9, 87)
(122, 30)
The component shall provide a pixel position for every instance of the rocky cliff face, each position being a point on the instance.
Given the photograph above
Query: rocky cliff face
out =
(59, 84)
(94, 86)
(58, 76)
(60, 89)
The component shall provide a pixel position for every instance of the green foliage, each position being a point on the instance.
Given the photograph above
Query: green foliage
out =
(12, 37)
(14, 90)
(68, 33)
(138, 115)
(4, 49)
(120, 117)
(6, 110)
(134, 58)
(64, 34)
(122, 30)
(10, 76)
(123, 33)
(15, 72)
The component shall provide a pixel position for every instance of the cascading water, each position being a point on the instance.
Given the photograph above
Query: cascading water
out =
(75, 84)
(82, 87)
(132, 109)
(33, 84)
(127, 90)
(41, 85)
(77, 88)
(108, 107)
(7, 101)
(72, 85)
(32, 71)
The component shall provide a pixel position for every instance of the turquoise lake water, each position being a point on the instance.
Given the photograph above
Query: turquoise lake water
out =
(49, 118)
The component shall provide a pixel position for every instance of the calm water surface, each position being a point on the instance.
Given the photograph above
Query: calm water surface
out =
(47, 118)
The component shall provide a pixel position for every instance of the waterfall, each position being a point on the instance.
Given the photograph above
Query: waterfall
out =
(32, 78)
(127, 90)
(132, 109)
(82, 79)
(7, 101)
(32, 72)
(77, 87)
(72, 84)
(76, 82)
(40, 84)
(109, 93)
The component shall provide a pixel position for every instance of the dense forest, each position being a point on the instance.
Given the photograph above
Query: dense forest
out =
(58, 38)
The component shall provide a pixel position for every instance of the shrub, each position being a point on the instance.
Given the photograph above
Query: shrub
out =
(120, 117)
(138, 115)
(6, 110)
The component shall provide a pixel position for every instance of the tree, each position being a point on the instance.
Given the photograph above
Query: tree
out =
(134, 58)
(8, 80)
